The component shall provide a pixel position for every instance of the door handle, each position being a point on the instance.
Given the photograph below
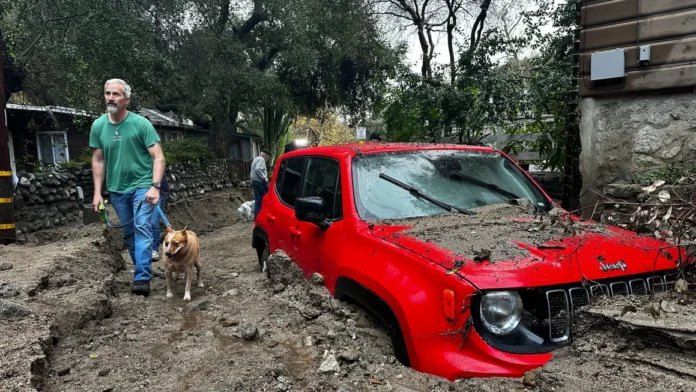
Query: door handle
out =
(270, 218)
(295, 232)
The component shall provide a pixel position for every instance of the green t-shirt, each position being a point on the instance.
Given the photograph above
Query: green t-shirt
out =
(127, 160)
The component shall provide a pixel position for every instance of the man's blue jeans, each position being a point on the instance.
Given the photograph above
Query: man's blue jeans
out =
(260, 189)
(137, 235)
(156, 231)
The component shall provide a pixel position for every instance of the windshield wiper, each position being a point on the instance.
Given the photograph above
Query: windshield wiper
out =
(488, 185)
(415, 192)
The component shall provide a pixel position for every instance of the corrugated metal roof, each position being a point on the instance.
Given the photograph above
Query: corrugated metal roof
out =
(54, 109)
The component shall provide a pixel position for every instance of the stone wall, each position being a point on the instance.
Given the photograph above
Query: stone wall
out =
(621, 135)
(48, 199)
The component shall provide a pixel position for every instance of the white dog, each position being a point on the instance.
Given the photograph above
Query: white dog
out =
(246, 210)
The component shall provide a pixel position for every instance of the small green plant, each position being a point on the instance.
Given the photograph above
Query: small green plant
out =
(187, 150)
(72, 165)
(674, 173)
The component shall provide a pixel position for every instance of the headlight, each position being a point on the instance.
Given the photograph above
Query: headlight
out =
(500, 311)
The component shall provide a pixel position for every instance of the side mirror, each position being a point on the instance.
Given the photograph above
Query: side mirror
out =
(311, 209)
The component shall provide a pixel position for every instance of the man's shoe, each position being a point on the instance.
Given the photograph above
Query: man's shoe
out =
(140, 287)
(155, 255)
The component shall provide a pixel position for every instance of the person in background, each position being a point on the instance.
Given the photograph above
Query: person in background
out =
(259, 179)
(156, 232)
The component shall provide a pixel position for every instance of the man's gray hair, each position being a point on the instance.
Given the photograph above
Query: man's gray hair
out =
(126, 87)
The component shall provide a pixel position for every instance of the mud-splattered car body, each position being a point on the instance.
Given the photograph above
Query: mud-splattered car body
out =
(475, 288)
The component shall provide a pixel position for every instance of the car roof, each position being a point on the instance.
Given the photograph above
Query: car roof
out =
(353, 149)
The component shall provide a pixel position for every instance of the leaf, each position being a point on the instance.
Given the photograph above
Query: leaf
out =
(666, 307)
(681, 286)
(92, 355)
(652, 188)
(664, 196)
(628, 308)
(668, 214)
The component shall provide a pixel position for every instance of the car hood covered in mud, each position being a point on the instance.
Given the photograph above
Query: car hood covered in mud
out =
(506, 246)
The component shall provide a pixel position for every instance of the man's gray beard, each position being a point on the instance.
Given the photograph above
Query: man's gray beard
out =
(112, 109)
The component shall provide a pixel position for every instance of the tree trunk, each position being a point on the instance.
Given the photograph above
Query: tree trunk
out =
(224, 126)
(425, 68)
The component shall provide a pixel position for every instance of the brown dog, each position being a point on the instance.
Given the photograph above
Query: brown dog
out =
(181, 249)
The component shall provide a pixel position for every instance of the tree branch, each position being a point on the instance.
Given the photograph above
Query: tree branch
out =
(41, 30)
(266, 60)
(478, 25)
(223, 18)
(257, 16)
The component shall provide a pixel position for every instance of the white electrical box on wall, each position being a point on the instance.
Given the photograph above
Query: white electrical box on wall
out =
(607, 65)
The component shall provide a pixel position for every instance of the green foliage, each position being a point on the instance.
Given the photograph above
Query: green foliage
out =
(186, 151)
(674, 173)
(73, 165)
(485, 94)
(549, 88)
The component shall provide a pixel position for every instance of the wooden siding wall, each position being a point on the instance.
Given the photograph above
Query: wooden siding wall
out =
(668, 26)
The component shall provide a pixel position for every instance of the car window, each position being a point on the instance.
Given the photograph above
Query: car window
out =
(435, 174)
(290, 180)
(322, 180)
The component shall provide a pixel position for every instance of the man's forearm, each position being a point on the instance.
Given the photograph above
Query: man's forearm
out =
(158, 169)
(98, 175)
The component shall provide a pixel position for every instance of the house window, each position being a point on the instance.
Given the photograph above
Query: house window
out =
(171, 136)
(52, 147)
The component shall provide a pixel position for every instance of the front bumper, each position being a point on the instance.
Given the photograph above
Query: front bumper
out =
(548, 326)
(441, 355)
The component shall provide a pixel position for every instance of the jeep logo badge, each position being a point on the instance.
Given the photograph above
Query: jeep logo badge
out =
(621, 265)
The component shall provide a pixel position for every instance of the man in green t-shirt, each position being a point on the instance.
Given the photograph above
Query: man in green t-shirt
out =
(126, 149)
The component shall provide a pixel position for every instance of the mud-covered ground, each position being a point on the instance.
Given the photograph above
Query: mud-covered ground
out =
(70, 324)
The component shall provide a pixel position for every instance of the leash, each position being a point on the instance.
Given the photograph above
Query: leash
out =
(161, 214)
(159, 211)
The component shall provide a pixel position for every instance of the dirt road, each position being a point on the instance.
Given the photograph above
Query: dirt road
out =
(72, 325)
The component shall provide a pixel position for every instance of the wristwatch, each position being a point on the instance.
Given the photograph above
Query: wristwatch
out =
(157, 184)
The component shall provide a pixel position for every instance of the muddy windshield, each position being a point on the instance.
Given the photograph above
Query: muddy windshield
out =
(462, 179)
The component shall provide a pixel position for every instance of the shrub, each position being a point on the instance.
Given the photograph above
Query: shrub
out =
(187, 150)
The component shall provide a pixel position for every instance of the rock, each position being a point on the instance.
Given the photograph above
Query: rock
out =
(44, 191)
(131, 337)
(309, 312)
(249, 331)
(104, 372)
(278, 288)
(316, 279)
(8, 291)
(364, 322)
(329, 364)
(5, 266)
(24, 182)
(229, 323)
(201, 306)
(63, 372)
(232, 293)
(9, 309)
(349, 355)
(531, 377)
(307, 342)
(235, 274)
(32, 188)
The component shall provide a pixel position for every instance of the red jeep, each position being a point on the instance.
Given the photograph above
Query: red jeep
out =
(472, 268)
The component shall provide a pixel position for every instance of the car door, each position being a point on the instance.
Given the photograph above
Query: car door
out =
(316, 249)
(280, 217)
